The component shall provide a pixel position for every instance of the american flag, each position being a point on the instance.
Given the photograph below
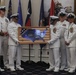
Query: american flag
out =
(23, 31)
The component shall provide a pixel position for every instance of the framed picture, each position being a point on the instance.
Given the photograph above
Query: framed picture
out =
(33, 35)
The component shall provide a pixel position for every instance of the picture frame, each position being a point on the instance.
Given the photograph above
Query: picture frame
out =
(26, 41)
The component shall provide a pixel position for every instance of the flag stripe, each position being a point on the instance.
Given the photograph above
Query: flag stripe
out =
(52, 9)
(28, 22)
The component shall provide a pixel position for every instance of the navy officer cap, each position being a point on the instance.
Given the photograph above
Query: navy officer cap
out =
(14, 15)
(62, 13)
(53, 17)
(3, 8)
(71, 15)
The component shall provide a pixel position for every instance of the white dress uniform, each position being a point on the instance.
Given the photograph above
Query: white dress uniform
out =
(54, 47)
(63, 27)
(4, 39)
(71, 38)
(14, 48)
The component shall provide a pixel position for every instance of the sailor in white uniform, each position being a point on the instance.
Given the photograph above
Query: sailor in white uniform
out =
(54, 45)
(13, 42)
(70, 40)
(63, 26)
(3, 35)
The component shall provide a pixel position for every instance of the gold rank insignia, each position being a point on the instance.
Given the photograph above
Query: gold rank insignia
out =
(54, 30)
(71, 29)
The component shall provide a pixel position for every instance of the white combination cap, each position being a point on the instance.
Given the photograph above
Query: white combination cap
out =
(71, 15)
(2, 7)
(54, 17)
(14, 15)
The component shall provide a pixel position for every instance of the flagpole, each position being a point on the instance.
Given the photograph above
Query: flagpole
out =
(29, 52)
(40, 54)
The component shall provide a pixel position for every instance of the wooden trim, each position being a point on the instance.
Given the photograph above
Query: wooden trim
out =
(75, 7)
(25, 41)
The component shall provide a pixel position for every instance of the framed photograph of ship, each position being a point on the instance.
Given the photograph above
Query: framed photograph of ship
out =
(33, 35)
